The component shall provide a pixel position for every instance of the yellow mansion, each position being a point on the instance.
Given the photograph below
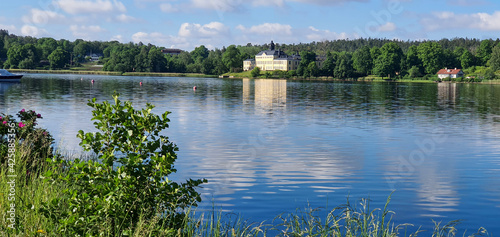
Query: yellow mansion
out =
(272, 59)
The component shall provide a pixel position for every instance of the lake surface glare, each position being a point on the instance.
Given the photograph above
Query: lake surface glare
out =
(272, 146)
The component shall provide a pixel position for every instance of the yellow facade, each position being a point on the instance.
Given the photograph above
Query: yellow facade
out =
(272, 60)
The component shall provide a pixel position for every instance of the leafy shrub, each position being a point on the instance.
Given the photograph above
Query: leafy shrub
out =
(129, 182)
(36, 143)
(255, 72)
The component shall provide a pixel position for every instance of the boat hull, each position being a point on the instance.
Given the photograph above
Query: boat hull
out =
(10, 78)
(14, 78)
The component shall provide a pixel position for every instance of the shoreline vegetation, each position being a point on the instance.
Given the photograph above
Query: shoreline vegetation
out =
(361, 59)
(240, 75)
(101, 195)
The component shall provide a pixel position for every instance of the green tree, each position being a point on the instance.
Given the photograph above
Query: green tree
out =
(231, 58)
(14, 56)
(412, 59)
(157, 61)
(199, 54)
(375, 52)
(495, 58)
(414, 72)
(255, 72)
(328, 65)
(129, 183)
(431, 55)
(313, 69)
(48, 45)
(467, 59)
(344, 68)
(306, 58)
(58, 58)
(389, 61)
(362, 60)
(484, 53)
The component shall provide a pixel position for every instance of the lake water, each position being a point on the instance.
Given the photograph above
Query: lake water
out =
(271, 146)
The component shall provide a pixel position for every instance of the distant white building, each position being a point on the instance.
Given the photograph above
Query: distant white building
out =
(450, 73)
(171, 51)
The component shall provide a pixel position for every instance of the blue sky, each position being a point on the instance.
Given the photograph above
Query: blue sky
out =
(216, 23)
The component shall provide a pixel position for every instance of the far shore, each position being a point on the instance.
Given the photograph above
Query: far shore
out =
(232, 76)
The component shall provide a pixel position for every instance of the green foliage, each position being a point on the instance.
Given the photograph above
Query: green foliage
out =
(362, 60)
(495, 58)
(484, 53)
(414, 72)
(58, 58)
(328, 65)
(467, 59)
(255, 72)
(232, 58)
(306, 59)
(129, 181)
(431, 54)
(489, 74)
(344, 67)
(388, 63)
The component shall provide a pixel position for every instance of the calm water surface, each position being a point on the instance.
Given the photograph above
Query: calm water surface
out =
(271, 146)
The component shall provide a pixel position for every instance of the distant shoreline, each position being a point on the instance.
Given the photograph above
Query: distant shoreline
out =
(168, 74)
(108, 73)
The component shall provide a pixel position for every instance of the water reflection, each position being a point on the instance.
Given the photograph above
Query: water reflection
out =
(269, 146)
(447, 93)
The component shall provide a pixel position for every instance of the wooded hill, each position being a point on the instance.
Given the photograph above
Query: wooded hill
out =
(343, 58)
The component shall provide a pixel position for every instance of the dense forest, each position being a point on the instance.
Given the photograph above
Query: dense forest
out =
(342, 58)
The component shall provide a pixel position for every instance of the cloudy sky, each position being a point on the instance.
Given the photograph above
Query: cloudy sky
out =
(186, 24)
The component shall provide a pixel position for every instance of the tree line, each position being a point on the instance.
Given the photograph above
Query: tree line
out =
(340, 58)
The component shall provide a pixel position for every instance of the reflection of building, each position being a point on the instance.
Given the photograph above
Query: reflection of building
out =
(447, 92)
(270, 93)
(272, 59)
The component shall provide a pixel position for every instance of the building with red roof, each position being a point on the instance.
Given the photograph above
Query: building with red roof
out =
(450, 73)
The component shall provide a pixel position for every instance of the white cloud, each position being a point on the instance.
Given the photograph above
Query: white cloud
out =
(91, 6)
(450, 20)
(10, 28)
(85, 32)
(313, 34)
(125, 18)
(387, 27)
(211, 29)
(160, 39)
(167, 7)
(29, 30)
(118, 38)
(267, 29)
(37, 16)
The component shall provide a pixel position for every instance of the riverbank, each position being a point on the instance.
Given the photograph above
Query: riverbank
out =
(107, 73)
(370, 78)
(240, 75)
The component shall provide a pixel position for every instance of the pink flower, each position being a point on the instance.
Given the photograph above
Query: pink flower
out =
(4, 122)
(38, 115)
(0, 117)
(21, 124)
(22, 111)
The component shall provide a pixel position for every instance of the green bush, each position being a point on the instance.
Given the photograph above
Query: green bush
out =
(129, 182)
(255, 72)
